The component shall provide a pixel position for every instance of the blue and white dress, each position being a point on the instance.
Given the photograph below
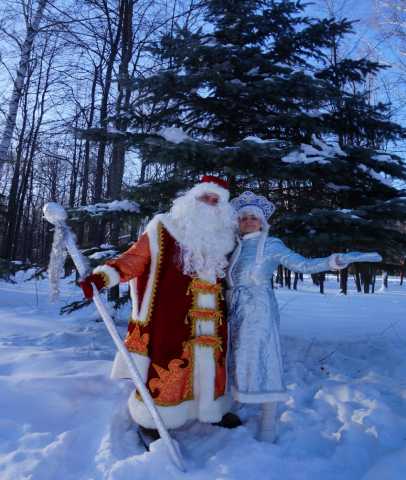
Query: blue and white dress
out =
(255, 360)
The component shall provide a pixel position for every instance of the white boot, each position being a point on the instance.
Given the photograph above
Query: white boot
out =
(267, 428)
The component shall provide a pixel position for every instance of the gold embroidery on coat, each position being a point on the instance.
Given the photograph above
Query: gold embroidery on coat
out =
(196, 313)
(208, 341)
(202, 286)
(106, 278)
(135, 342)
(175, 384)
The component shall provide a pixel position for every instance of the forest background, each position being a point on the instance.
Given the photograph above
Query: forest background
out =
(107, 102)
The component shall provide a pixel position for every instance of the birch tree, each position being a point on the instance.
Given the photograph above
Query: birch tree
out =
(33, 25)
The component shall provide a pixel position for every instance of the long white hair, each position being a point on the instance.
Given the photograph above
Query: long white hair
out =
(205, 233)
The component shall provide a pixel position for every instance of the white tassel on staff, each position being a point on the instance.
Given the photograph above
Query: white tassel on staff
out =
(56, 215)
(56, 262)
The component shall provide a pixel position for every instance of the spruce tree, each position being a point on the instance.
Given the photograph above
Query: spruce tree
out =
(259, 101)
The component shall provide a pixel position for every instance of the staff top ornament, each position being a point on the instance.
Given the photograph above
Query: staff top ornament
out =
(249, 202)
(54, 213)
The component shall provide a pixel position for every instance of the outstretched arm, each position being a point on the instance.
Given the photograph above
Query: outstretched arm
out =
(130, 264)
(296, 262)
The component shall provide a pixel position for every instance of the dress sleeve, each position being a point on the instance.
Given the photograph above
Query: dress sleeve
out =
(130, 264)
(281, 254)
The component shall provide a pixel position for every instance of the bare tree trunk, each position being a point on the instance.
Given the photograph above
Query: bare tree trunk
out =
(295, 281)
(402, 271)
(25, 248)
(366, 277)
(279, 275)
(322, 280)
(385, 276)
(116, 170)
(357, 277)
(73, 183)
(373, 278)
(114, 39)
(344, 280)
(22, 70)
(36, 123)
(114, 48)
(86, 160)
(288, 278)
(318, 279)
(15, 182)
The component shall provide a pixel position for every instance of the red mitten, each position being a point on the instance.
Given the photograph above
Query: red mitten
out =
(96, 279)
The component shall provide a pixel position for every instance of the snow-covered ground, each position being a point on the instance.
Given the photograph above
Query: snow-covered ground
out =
(61, 417)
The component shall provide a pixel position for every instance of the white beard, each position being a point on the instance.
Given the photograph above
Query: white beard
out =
(206, 234)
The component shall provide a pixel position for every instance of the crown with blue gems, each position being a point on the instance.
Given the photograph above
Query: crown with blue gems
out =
(248, 199)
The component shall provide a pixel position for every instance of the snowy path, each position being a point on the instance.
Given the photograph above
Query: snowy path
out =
(345, 357)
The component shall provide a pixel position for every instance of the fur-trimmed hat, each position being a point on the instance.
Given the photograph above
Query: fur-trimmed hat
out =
(211, 184)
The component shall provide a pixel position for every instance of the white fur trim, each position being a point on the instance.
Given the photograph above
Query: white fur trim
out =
(253, 210)
(140, 312)
(206, 300)
(335, 263)
(204, 374)
(205, 327)
(111, 273)
(209, 187)
(264, 397)
(263, 234)
(261, 246)
(247, 236)
(120, 368)
(233, 260)
(134, 298)
(168, 223)
(177, 415)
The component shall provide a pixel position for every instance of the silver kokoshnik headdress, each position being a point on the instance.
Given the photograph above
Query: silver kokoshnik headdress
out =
(250, 203)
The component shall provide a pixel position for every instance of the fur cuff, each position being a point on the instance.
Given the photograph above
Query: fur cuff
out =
(335, 262)
(110, 274)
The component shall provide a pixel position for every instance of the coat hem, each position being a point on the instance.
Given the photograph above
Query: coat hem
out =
(176, 416)
(120, 368)
(259, 397)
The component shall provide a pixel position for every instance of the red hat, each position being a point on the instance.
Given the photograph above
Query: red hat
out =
(212, 184)
(213, 179)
